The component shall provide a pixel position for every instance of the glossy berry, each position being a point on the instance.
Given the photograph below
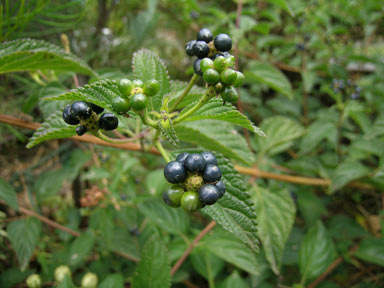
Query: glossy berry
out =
(89, 280)
(220, 64)
(211, 76)
(209, 158)
(211, 173)
(95, 108)
(120, 105)
(181, 157)
(223, 42)
(81, 110)
(190, 201)
(196, 67)
(228, 76)
(139, 102)
(230, 60)
(230, 94)
(239, 79)
(219, 87)
(125, 87)
(67, 116)
(189, 48)
(61, 272)
(209, 194)
(206, 64)
(108, 121)
(204, 35)
(81, 130)
(201, 49)
(221, 187)
(138, 83)
(173, 195)
(151, 88)
(175, 172)
(194, 163)
(33, 281)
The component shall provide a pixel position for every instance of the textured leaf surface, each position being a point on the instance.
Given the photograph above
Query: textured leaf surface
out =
(235, 211)
(153, 270)
(276, 215)
(215, 110)
(30, 55)
(24, 235)
(371, 250)
(346, 172)
(8, 194)
(80, 248)
(177, 88)
(317, 252)
(53, 128)
(146, 65)
(217, 136)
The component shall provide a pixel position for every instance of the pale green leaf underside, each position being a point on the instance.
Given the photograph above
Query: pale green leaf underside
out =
(30, 55)
(215, 110)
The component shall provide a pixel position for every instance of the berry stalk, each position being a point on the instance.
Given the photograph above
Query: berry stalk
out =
(192, 82)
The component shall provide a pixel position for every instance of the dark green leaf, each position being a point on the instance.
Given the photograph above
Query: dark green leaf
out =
(113, 281)
(66, 283)
(371, 250)
(234, 281)
(80, 248)
(206, 264)
(346, 172)
(317, 131)
(8, 194)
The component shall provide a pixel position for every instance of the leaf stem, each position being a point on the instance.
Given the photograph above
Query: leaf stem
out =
(104, 137)
(147, 120)
(193, 80)
(162, 151)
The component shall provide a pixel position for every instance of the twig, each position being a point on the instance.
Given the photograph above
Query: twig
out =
(181, 260)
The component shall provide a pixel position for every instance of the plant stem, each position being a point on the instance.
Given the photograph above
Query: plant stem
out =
(147, 120)
(162, 151)
(104, 137)
(193, 80)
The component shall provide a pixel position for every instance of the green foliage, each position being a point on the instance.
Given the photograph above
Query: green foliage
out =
(371, 250)
(8, 194)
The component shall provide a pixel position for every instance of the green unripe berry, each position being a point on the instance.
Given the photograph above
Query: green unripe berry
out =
(61, 272)
(33, 281)
(89, 280)
(206, 64)
(173, 196)
(220, 64)
(193, 182)
(230, 61)
(219, 87)
(240, 79)
(125, 87)
(120, 105)
(138, 83)
(151, 88)
(190, 201)
(230, 94)
(211, 76)
(139, 102)
(228, 76)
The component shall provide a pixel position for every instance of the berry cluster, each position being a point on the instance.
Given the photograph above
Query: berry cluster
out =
(134, 95)
(86, 114)
(341, 86)
(197, 178)
(92, 197)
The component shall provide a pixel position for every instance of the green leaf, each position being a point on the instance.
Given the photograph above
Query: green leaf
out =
(113, 281)
(317, 252)
(146, 65)
(53, 128)
(235, 211)
(267, 74)
(316, 133)
(371, 250)
(66, 283)
(170, 219)
(206, 264)
(234, 280)
(283, 5)
(31, 55)
(80, 248)
(310, 206)
(153, 270)
(177, 89)
(281, 133)
(276, 211)
(23, 235)
(215, 110)
(8, 194)
(217, 136)
(346, 172)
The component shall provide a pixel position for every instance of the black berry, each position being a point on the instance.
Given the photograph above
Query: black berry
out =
(81, 110)
(211, 173)
(108, 121)
(223, 42)
(81, 130)
(194, 163)
(189, 48)
(209, 194)
(204, 35)
(221, 187)
(67, 116)
(181, 157)
(209, 158)
(201, 49)
(175, 172)
(196, 67)
(95, 108)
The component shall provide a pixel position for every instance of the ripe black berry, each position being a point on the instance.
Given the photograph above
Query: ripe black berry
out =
(196, 67)
(204, 35)
(108, 121)
(194, 163)
(223, 42)
(189, 48)
(81, 130)
(209, 158)
(81, 110)
(67, 116)
(95, 108)
(201, 49)
(181, 157)
(221, 187)
(211, 173)
(175, 172)
(209, 194)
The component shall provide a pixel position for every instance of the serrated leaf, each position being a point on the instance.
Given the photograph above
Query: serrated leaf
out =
(235, 211)
(216, 136)
(80, 248)
(31, 55)
(153, 270)
(8, 194)
(276, 215)
(317, 252)
(113, 281)
(146, 65)
(234, 280)
(215, 110)
(23, 235)
(170, 133)
(371, 250)
(346, 172)
(53, 128)
(267, 74)
(177, 89)
(316, 133)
